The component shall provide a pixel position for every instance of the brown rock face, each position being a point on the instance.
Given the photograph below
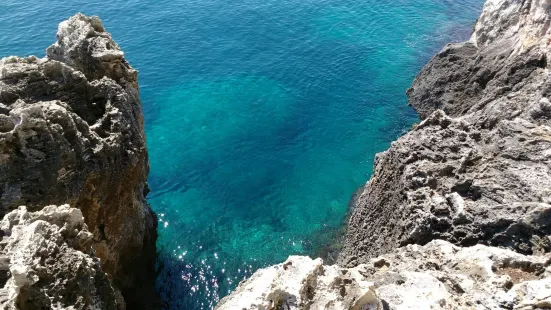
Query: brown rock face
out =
(71, 131)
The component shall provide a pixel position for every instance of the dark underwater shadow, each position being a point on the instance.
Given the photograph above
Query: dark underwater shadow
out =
(182, 285)
(328, 242)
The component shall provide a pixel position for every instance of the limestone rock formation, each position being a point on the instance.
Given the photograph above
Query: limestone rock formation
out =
(438, 275)
(501, 70)
(477, 170)
(303, 283)
(47, 262)
(72, 132)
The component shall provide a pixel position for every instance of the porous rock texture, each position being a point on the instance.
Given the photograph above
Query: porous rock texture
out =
(72, 132)
(438, 275)
(47, 262)
(297, 283)
(477, 169)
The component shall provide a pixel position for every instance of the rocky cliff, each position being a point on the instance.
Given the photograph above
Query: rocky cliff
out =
(463, 201)
(477, 169)
(72, 132)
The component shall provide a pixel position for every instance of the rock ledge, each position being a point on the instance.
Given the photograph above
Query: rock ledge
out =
(438, 275)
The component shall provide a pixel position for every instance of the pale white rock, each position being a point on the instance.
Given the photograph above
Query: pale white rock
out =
(438, 275)
(419, 290)
(525, 23)
(70, 35)
(532, 294)
(47, 262)
(303, 283)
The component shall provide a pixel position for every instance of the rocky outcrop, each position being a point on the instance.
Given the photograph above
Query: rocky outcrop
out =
(477, 170)
(501, 71)
(438, 275)
(296, 284)
(47, 262)
(72, 132)
(446, 180)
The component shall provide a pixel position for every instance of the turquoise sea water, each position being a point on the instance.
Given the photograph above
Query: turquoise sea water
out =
(262, 116)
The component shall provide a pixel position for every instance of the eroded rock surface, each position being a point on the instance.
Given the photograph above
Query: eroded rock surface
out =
(438, 275)
(72, 132)
(47, 262)
(303, 283)
(477, 170)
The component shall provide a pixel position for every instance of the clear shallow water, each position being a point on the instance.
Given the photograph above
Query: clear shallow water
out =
(262, 116)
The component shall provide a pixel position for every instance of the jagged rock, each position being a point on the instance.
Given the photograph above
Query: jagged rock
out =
(438, 275)
(441, 181)
(71, 131)
(47, 262)
(479, 170)
(500, 71)
(303, 283)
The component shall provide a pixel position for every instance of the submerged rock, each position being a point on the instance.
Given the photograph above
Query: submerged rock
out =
(47, 262)
(478, 168)
(438, 275)
(71, 131)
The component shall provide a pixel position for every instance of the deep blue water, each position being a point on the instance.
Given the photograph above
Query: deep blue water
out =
(262, 116)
